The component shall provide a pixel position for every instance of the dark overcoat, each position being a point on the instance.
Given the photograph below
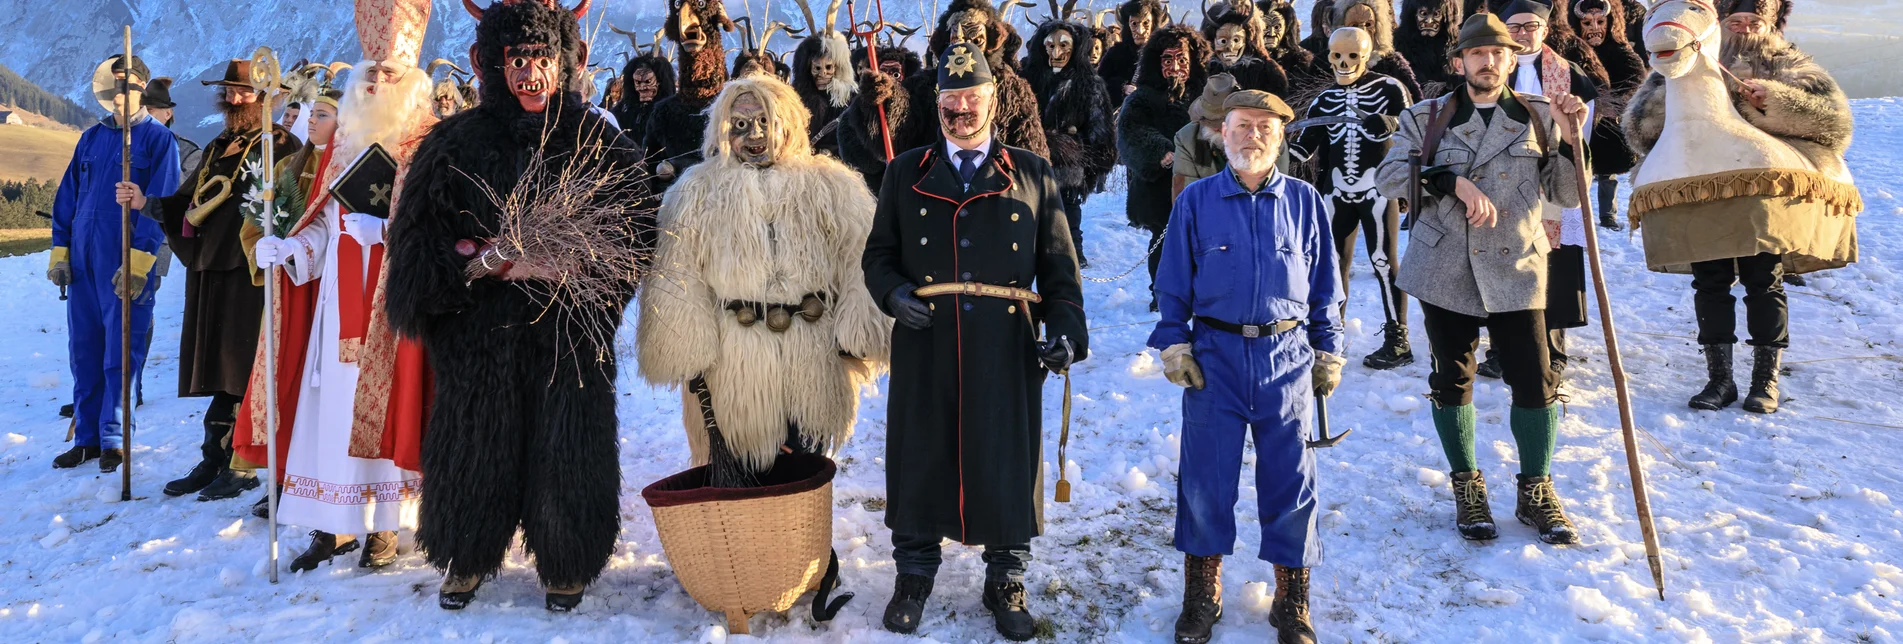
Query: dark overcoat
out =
(964, 424)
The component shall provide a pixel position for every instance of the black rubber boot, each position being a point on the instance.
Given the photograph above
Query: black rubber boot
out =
(1289, 612)
(1539, 506)
(456, 592)
(1473, 517)
(379, 550)
(1394, 351)
(1202, 599)
(110, 459)
(324, 546)
(229, 485)
(74, 457)
(1763, 398)
(907, 607)
(558, 599)
(1720, 390)
(201, 475)
(1010, 610)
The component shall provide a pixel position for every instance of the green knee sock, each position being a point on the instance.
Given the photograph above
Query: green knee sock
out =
(1456, 428)
(1535, 431)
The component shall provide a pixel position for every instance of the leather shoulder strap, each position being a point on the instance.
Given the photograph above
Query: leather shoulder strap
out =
(1439, 117)
(1533, 115)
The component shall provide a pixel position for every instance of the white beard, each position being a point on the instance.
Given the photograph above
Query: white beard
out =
(387, 118)
(1251, 162)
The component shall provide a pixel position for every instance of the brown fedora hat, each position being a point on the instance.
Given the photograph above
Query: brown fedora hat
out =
(1207, 109)
(237, 74)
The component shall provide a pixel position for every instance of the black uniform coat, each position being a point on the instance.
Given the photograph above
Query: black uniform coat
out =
(964, 424)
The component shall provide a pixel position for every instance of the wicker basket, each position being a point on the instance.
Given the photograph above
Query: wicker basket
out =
(741, 551)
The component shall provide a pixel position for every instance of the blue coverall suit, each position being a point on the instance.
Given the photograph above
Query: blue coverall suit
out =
(1249, 258)
(86, 227)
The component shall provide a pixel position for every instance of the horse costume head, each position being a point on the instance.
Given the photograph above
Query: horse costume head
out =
(1680, 35)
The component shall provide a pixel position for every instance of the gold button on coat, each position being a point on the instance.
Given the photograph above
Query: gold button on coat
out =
(921, 212)
(1011, 309)
(921, 241)
(1014, 246)
(1014, 216)
(928, 279)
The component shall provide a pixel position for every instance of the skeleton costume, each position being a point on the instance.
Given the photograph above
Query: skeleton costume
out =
(1424, 43)
(1385, 60)
(1346, 155)
(1234, 34)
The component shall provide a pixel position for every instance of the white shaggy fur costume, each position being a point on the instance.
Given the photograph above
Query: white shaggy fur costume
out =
(731, 231)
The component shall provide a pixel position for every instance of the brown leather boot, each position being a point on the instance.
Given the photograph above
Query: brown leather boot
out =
(1202, 599)
(1473, 517)
(1289, 613)
(379, 550)
(1539, 506)
(457, 591)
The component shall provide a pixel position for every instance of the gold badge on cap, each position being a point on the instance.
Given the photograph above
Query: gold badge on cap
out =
(961, 62)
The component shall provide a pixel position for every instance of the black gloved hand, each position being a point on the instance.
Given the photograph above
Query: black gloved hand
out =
(909, 311)
(1057, 354)
(1379, 125)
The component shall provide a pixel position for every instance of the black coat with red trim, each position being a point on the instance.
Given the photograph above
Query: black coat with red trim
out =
(964, 437)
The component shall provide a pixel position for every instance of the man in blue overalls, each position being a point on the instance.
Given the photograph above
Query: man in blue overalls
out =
(87, 255)
(1251, 261)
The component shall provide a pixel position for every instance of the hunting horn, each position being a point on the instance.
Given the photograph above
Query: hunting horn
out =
(198, 213)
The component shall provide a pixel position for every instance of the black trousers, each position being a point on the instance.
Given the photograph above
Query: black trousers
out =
(1518, 336)
(1382, 219)
(916, 555)
(1766, 314)
(1074, 212)
(220, 417)
(1156, 255)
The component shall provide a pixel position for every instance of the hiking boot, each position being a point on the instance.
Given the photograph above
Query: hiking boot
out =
(909, 593)
(1490, 367)
(1202, 599)
(324, 545)
(1473, 517)
(379, 550)
(1763, 398)
(456, 591)
(1720, 390)
(1289, 612)
(73, 457)
(1394, 351)
(557, 599)
(202, 475)
(229, 485)
(112, 457)
(1010, 611)
(1539, 506)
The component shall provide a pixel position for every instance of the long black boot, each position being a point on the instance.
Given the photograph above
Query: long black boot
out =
(1763, 398)
(1720, 390)
(1289, 612)
(212, 460)
(1202, 599)
(1607, 188)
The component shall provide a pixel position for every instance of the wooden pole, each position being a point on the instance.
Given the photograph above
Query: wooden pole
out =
(1629, 426)
(125, 266)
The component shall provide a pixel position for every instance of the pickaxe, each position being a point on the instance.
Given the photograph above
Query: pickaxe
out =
(1321, 424)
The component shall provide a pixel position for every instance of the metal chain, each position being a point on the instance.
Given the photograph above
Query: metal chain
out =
(1144, 261)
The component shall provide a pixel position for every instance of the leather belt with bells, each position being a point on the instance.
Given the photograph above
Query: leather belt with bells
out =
(779, 317)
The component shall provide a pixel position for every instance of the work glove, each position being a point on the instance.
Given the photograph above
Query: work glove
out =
(1057, 354)
(141, 265)
(909, 311)
(1181, 368)
(59, 269)
(271, 251)
(1326, 373)
(366, 229)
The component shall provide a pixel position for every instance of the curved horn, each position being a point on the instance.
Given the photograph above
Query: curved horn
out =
(434, 65)
(1070, 7)
(771, 27)
(634, 39)
(580, 10)
(1097, 21)
(470, 6)
(806, 8)
(902, 28)
(832, 17)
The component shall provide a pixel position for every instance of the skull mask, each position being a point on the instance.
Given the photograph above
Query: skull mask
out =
(747, 131)
(1348, 51)
(1231, 40)
(1058, 47)
(823, 69)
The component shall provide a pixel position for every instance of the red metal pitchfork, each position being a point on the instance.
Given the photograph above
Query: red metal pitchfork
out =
(872, 60)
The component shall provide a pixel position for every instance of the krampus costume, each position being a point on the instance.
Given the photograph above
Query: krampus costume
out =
(1345, 155)
(1428, 29)
(1234, 34)
(861, 143)
(645, 81)
(522, 424)
(957, 245)
(1803, 107)
(757, 291)
(1118, 68)
(1146, 129)
(1281, 33)
(676, 123)
(1601, 23)
(1377, 18)
(1078, 122)
(822, 74)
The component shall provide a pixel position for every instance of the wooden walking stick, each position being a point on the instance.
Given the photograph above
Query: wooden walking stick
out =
(1630, 427)
(125, 265)
(264, 77)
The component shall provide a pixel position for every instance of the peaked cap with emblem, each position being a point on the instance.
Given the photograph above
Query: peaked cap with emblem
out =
(963, 67)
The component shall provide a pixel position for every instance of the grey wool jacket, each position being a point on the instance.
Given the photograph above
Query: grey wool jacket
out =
(1452, 264)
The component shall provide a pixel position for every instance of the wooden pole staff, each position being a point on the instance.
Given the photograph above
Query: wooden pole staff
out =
(125, 266)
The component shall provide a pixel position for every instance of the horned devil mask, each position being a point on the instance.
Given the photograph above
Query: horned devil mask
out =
(1348, 51)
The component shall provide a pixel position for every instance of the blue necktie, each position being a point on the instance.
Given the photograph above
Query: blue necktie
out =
(967, 165)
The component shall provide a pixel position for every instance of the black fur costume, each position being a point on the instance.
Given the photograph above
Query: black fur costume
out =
(677, 123)
(860, 142)
(522, 427)
(1146, 130)
(1118, 67)
(1625, 70)
(1077, 121)
(1427, 55)
(817, 101)
(1297, 63)
(1255, 69)
(631, 112)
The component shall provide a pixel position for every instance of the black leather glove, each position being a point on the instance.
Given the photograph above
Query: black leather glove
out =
(1057, 354)
(909, 311)
(1379, 125)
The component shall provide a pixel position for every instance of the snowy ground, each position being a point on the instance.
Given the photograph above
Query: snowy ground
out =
(1776, 528)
